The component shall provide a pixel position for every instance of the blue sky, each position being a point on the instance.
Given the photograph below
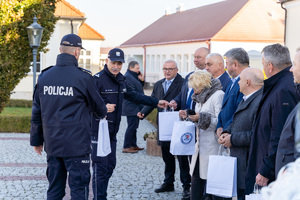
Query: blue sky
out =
(119, 20)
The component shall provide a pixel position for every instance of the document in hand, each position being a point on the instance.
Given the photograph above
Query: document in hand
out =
(165, 124)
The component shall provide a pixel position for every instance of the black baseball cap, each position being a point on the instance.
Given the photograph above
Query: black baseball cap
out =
(116, 55)
(71, 40)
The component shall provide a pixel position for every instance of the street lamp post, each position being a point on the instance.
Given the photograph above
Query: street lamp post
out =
(35, 32)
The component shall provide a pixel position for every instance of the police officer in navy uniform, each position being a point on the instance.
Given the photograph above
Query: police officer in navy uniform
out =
(64, 99)
(113, 88)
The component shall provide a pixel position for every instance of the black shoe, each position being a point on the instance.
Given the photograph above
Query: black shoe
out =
(186, 193)
(164, 188)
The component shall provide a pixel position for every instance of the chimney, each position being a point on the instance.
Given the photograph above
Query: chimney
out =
(168, 11)
(180, 8)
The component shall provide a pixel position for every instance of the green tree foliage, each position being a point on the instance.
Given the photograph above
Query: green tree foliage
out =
(15, 51)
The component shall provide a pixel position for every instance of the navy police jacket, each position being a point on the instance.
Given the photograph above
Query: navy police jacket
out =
(130, 108)
(63, 100)
(113, 89)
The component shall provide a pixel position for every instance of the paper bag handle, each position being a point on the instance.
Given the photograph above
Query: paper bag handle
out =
(224, 151)
(256, 189)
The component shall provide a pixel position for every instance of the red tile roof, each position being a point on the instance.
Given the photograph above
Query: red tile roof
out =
(65, 9)
(87, 32)
(229, 20)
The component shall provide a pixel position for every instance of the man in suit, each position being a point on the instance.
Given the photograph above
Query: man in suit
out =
(237, 60)
(166, 89)
(183, 100)
(135, 80)
(278, 100)
(214, 64)
(237, 135)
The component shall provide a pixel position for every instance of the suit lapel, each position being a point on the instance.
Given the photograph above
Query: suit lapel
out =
(229, 91)
(244, 104)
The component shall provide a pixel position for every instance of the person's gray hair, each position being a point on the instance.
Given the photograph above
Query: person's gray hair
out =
(171, 61)
(240, 55)
(132, 64)
(216, 56)
(277, 55)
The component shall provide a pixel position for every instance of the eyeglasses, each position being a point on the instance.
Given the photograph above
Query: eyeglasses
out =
(168, 69)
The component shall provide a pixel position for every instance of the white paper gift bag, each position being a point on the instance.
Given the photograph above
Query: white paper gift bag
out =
(103, 147)
(165, 124)
(183, 138)
(222, 176)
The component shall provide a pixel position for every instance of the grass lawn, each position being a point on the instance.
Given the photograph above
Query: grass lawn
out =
(16, 111)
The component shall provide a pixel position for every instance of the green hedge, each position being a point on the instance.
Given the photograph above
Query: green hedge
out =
(19, 103)
(152, 117)
(16, 124)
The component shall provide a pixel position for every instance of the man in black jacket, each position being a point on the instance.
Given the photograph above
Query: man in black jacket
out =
(113, 88)
(64, 98)
(135, 80)
(286, 151)
(278, 100)
(167, 88)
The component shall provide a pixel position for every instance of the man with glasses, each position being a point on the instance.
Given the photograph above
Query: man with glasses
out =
(166, 89)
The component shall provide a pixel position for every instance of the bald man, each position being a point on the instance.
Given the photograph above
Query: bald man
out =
(238, 134)
(214, 64)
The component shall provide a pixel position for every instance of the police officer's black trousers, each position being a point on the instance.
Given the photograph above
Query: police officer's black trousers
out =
(79, 177)
(103, 168)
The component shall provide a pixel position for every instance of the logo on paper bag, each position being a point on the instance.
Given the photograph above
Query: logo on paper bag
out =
(186, 138)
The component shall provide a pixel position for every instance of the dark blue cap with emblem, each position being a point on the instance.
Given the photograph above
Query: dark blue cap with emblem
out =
(71, 40)
(116, 55)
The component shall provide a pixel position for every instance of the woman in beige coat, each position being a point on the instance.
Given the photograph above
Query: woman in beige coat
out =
(208, 96)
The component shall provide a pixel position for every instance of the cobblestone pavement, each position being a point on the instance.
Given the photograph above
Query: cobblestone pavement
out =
(22, 171)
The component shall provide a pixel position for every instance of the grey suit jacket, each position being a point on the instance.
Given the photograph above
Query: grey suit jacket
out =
(241, 131)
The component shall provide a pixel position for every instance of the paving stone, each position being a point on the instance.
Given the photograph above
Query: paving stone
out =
(22, 171)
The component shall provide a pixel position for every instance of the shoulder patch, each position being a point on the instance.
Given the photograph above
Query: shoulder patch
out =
(85, 70)
(47, 68)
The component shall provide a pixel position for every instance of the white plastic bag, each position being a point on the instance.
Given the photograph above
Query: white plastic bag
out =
(165, 124)
(222, 175)
(103, 147)
(183, 138)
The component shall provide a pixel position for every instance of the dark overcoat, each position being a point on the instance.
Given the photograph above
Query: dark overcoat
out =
(241, 131)
(278, 100)
(130, 108)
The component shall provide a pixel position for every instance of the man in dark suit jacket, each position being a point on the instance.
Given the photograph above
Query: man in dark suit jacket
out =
(278, 100)
(237, 60)
(181, 99)
(214, 63)
(166, 89)
(237, 135)
(135, 80)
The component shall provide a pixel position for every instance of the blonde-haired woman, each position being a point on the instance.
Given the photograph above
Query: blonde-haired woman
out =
(208, 96)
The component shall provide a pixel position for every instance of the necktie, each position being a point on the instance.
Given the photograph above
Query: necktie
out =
(189, 100)
(233, 81)
(167, 85)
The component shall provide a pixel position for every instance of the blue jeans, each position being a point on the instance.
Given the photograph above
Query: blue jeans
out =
(79, 177)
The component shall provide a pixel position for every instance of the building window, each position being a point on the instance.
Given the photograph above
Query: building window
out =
(158, 65)
(186, 63)
(85, 60)
(178, 60)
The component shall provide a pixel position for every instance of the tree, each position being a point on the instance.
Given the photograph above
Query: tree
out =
(15, 51)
